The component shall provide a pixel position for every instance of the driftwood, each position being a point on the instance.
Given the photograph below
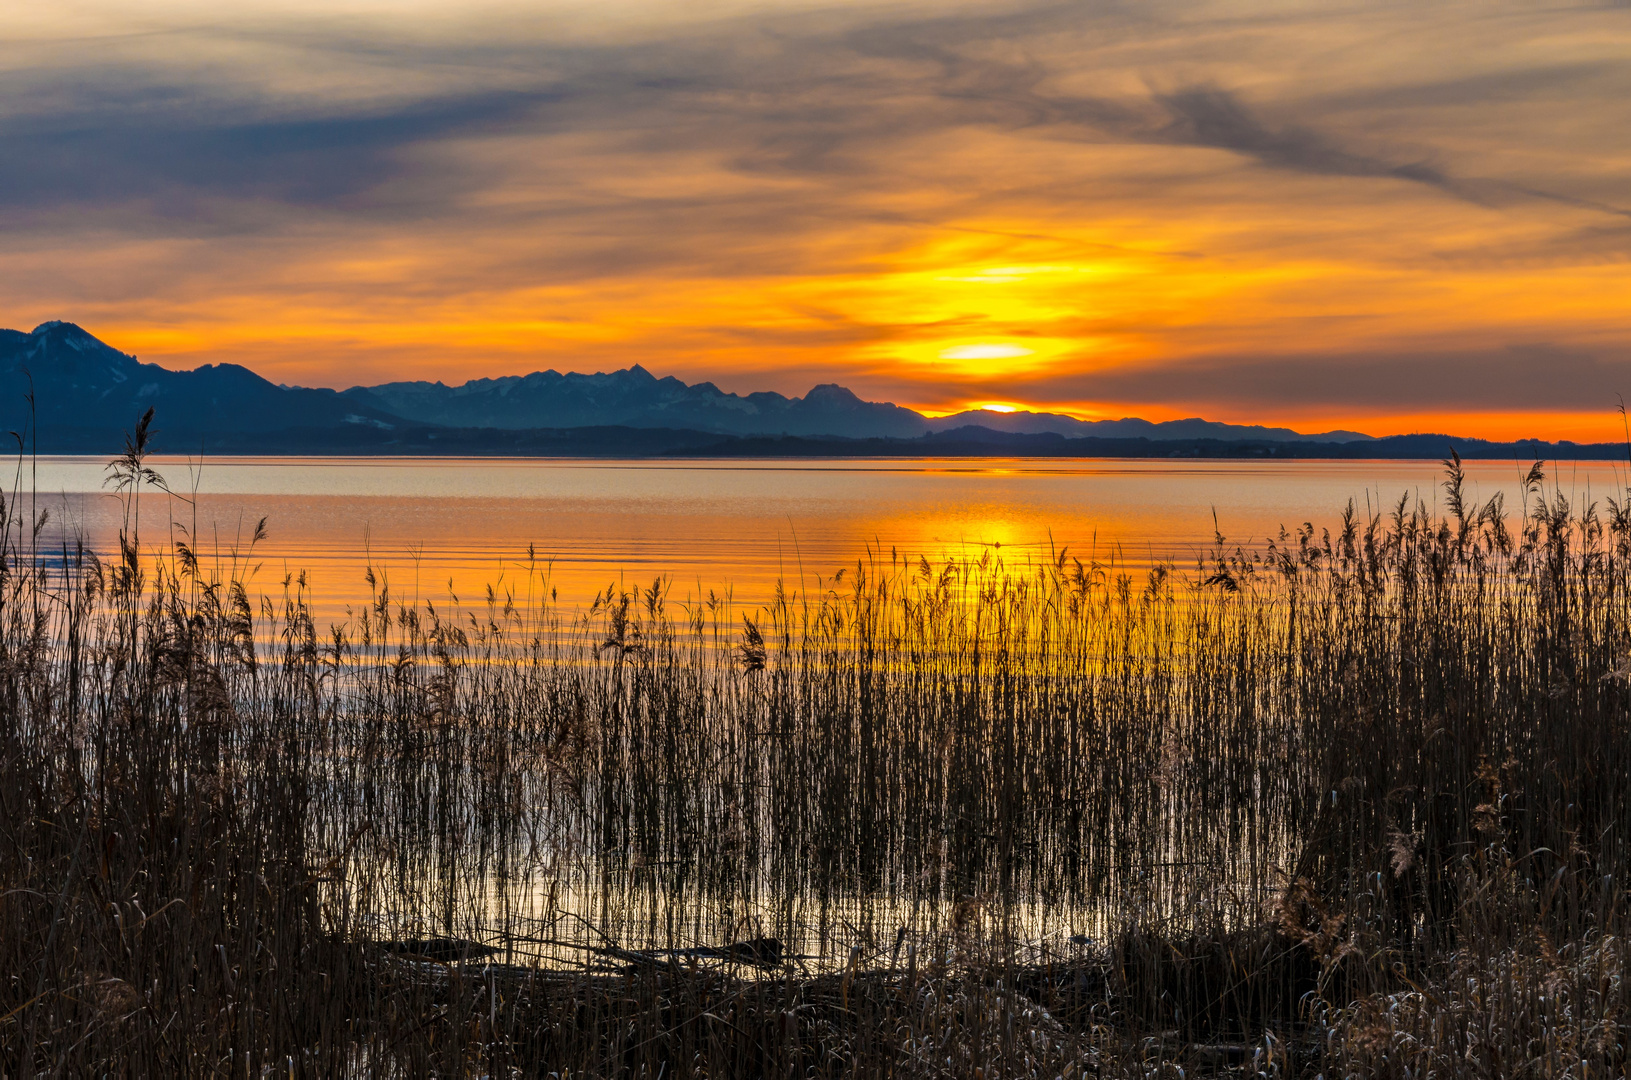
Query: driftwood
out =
(441, 950)
(760, 952)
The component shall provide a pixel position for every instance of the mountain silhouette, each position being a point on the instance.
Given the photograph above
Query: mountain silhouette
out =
(636, 398)
(85, 393)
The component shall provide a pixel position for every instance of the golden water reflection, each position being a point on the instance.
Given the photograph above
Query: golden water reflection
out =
(447, 528)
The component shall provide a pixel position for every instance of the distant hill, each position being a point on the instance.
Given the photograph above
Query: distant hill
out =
(87, 393)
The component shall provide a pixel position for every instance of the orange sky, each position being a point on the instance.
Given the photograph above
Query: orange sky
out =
(1381, 217)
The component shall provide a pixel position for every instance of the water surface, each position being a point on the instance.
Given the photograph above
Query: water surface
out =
(441, 527)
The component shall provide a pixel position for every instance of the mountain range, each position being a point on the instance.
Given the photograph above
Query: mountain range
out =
(64, 391)
(636, 398)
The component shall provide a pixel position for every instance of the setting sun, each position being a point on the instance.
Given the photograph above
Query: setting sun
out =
(983, 352)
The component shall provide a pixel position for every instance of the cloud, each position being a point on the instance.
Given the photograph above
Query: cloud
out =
(1211, 116)
(132, 140)
(831, 99)
(1520, 377)
(1214, 117)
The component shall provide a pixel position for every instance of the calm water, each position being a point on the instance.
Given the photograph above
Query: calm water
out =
(458, 525)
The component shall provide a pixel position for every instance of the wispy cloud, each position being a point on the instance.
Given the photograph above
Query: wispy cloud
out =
(1214, 117)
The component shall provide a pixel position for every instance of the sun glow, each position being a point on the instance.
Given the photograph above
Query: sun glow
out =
(984, 352)
(941, 327)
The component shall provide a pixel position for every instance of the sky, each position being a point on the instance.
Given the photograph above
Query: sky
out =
(1385, 217)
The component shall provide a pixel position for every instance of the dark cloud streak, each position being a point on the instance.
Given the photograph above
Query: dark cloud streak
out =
(1532, 377)
(1210, 116)
(157, 143)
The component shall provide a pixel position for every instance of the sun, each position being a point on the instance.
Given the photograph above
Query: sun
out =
(984, 351)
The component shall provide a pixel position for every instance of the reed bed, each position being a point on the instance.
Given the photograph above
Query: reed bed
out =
(1349, 803)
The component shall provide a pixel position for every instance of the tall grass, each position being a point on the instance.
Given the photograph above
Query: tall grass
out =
(1351, 803)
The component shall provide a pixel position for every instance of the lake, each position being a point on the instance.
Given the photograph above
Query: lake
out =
(437, 526)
